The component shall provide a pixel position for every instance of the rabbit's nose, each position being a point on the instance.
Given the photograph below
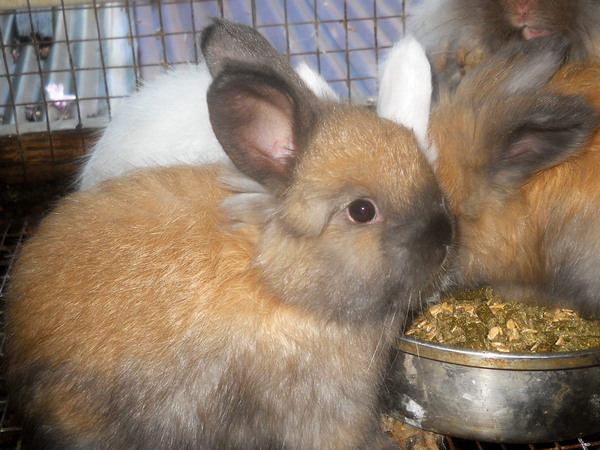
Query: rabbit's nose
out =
(436, 236)
(431, 235)
(441, 229)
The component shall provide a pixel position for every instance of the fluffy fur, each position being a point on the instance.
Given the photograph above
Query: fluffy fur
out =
(218, 307)
(520, 165)
(458, 34)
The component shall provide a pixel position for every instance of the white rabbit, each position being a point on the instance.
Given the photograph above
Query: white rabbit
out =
(166, 123)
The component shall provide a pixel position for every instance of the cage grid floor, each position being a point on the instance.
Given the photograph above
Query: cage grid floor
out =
(17, 222)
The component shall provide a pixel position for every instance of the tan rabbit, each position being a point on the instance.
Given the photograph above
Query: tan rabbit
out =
(519, 157)
(459, 34)
(220, 307)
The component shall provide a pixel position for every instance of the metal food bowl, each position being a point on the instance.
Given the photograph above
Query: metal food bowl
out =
(493, 396)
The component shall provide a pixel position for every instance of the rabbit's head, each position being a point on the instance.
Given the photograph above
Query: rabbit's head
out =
(501, 127)
(349, 208)
(516, 161)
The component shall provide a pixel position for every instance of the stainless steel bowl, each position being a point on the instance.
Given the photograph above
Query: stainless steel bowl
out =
(495, 397)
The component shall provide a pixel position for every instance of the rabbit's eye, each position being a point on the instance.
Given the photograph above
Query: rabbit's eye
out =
(362, 211)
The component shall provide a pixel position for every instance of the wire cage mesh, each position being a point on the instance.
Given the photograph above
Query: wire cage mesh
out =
(65, 66)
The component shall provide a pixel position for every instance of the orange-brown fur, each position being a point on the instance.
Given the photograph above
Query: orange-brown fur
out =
(145, 293)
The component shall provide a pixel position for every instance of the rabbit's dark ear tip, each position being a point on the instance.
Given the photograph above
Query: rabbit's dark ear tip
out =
(208, 32)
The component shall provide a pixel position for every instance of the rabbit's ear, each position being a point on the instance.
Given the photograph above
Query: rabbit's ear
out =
(230, 43)
(262, 122)
(405, 89)
(542, 133)
(261, 111)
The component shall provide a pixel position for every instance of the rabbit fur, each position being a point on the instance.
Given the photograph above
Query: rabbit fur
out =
(244, 305)
(459, 34)
(517, 150)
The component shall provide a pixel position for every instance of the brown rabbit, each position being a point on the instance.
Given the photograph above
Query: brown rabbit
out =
(459, 34)
(519, 157)
(220, 307)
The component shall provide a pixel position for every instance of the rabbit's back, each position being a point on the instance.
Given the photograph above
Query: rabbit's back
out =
(147, 224)
(158, 326)
(133, 311)
(165, 123)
